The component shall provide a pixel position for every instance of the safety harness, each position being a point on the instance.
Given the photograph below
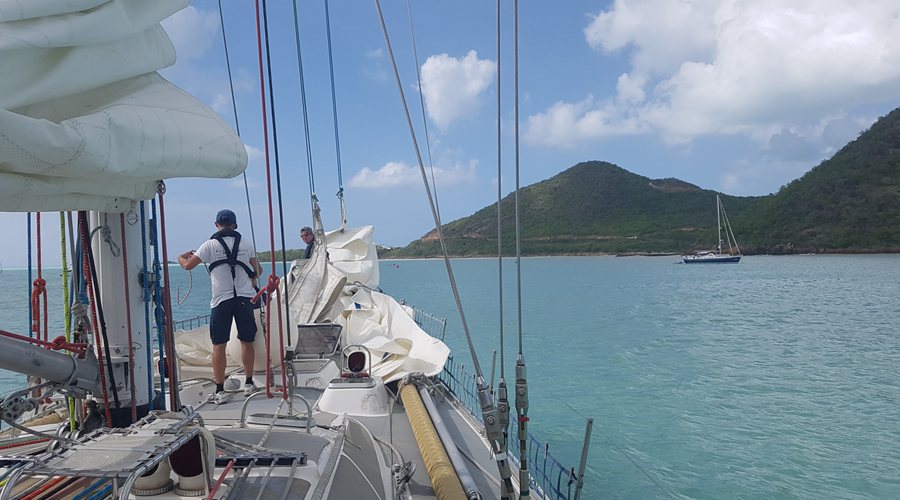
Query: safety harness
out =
(231, 255)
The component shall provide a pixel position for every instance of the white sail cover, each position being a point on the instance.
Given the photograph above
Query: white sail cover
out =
(353, 252)
(86, 123)
(387, 330)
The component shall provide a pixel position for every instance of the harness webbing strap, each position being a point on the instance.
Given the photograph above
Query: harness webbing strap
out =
(231, 256)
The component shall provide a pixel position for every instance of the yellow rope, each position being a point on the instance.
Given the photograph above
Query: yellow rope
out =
(65, 281)
(443, 478)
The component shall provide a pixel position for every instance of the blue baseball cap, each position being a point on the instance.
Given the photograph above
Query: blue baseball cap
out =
(226, 218)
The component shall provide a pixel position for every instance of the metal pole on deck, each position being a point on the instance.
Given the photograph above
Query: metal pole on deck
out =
(579, 484)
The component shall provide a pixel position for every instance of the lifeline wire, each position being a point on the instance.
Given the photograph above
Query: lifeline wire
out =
(237, 126)
(611, 442)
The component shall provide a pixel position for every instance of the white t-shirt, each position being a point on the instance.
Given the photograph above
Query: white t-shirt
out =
(211, 251)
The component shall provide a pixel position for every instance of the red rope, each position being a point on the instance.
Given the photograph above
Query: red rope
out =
(56, 344)
(46, 319)
(215, 488)
(50, 484)
(128, 320)
(167, 297)
(83, 222)
(39, 287)
(23, 443)
(262, 90)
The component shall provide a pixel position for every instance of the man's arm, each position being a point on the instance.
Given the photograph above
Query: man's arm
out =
(258, 268)
(188, 260)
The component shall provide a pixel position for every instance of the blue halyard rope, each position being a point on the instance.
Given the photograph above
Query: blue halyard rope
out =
(145, 296)
(157, 296)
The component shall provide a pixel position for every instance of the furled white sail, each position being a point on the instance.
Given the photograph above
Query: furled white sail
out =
(353, 252)
(86, 123)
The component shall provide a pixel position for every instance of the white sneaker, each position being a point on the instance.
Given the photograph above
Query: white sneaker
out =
(219, 398)
(250, 389)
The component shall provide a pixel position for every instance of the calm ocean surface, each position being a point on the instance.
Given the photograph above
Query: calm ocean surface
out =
(773, 378)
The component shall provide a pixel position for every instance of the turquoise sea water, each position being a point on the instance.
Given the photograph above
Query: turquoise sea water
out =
(773, 378)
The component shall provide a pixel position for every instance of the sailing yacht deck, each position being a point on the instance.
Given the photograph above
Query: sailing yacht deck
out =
(385, 440)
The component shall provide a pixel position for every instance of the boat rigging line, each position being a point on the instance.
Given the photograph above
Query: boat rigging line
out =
(145, 288)
(337, 140)
(272, 281)
(167, 298)
(521, 371)
(284, 270)
(437, 204)
(485, 397)
(134, 416)
(85, 252)
(309, 163)
(502, 395)
(237, 126)
(70, 402)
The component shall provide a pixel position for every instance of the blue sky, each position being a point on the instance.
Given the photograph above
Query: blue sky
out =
(738, 96)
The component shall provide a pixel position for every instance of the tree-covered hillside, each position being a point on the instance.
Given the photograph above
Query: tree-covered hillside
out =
(849, 203)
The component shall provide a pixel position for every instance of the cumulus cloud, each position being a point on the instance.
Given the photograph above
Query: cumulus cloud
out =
(751, 67)
(453, 87)
(192, 31)
(400, 175)
(254, 154)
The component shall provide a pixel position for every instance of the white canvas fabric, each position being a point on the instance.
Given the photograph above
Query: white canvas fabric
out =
(353, 252)
(397, 344)
(86, 123)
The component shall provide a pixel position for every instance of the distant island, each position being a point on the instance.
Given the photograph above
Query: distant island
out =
(849, 203)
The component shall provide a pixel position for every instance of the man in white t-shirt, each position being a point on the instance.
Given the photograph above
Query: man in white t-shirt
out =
(233, 271)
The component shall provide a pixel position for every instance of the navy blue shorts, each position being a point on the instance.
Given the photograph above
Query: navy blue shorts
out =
(241, 311)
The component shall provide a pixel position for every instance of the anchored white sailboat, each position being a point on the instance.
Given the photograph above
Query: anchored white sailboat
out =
(89, 127)
(717, 257)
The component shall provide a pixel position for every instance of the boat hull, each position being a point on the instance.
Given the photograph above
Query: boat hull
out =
(720, 259)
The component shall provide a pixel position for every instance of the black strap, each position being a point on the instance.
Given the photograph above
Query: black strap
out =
(231, 255)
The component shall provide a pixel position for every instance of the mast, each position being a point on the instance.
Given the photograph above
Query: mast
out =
(119, 315)
(719, 223)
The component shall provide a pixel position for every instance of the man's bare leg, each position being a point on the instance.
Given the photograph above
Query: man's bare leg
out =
(219, 363)
(248, 356)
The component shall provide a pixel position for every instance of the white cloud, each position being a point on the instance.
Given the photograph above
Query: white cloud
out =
(453, 86)
(400, 175)
(566, 125)
(192, 31)
(750, 67)
(254, 154)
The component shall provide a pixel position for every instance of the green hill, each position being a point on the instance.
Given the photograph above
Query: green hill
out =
(849, 203)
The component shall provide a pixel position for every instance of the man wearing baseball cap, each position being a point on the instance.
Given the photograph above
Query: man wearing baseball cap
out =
(233, 271)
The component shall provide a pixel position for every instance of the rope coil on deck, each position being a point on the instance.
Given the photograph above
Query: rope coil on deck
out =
(443, 477)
